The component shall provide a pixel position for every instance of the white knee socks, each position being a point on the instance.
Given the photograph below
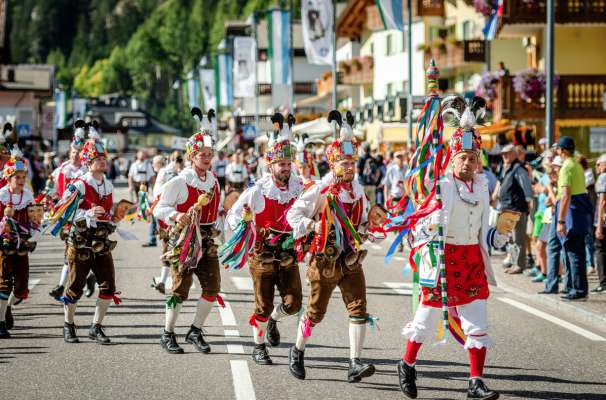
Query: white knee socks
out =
(64, 275)
(278, 313)
(171, 317)
(203, 308)
(357, 332)
(303, 333)
(101, 310)
(70, 312)
(3, 306)
(164, 274)
(259, 332)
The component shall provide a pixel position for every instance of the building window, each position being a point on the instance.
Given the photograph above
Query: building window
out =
(404, 41)
(389, 50)
(467, 30)
(390, 89)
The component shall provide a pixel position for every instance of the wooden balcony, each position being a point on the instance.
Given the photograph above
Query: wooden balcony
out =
(566, 11)
(456, 54)
(357, 71)
(576, 96)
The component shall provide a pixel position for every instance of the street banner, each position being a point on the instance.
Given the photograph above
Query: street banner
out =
(244, 67)
(317, 22)
(279, 33)
(60, 109)
(207, 80)
(391, 14)
(193, 89)
(223, 76)
(490, 29)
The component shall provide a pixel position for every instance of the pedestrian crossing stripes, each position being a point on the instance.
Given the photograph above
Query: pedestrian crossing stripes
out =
(242, 282)
(400, 287)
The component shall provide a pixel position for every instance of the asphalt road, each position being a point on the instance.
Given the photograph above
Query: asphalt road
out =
(535, 357)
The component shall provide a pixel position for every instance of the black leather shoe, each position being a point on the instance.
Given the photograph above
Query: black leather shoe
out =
(8, 317)
(57, 292)
(69, 333)
(546, 292)
(169, 343)
(576, 297)
(599, 289)
(273, 334)
(478, 390)
(90, 285)
(260, 355)
(96, 333)
(149, 245)
(358, 370)
(195, 337)
(296, 362)
(408, 378)
(3, 331)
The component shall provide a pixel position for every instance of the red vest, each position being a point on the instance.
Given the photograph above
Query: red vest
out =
(91, 197)
(62, 182)
(354, 211)
(209, 212)
(20, 215)
(3, 182)
(273, 215)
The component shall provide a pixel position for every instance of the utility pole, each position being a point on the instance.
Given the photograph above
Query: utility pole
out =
(549, 117)
(254, 32)
(334, 54)
(409, 55)
(291, 57)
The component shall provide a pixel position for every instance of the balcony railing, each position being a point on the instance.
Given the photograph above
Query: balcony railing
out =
(576, 96)
(299, 88)
(566, 11)
(420, 8)
(357, 71)
(456, 54)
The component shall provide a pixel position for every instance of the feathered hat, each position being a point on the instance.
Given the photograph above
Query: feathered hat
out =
(93, 147)
(465, 116)
(79, 134)
(304, 155)
(345, 145)
(206, 134)
(279, 147)
(15, 164)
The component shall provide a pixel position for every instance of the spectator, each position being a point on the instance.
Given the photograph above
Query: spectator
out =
(573, 216)
(381, 162)
(157, 165)
(600, 224)
(590, 186)
(503, 71)
(369, 174)
(514, 193)
(235, 173)
(393, 183)
(252, 162)
(490, 177)
(140, 173)
(219, 166)
(323, 167)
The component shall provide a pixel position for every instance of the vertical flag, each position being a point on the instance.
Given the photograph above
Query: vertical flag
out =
(60, 109)
(391, 13)
(244, 67)
(279, 32)
(317, 21)
(490, 30)
(193, 89)
(224, 74)
(207, 81)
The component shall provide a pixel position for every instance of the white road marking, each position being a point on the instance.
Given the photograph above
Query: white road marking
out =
(564, 324)
(233, 348)
(400, 287)
(227, 315)
(243, 282)
(400, 258)
(376, 247)
(32, 283)
(243, 386)
(169, 282)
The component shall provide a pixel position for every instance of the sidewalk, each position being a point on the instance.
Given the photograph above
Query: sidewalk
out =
(592, 311)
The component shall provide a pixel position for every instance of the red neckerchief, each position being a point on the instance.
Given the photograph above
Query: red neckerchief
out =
(467, 185)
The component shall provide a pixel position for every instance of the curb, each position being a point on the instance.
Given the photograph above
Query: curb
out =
(588, 317)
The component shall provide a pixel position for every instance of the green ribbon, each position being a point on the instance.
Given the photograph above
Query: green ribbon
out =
(172, 301)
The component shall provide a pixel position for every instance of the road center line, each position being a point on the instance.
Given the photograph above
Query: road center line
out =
(243, 386)
(227, 315)
(564, 324)
(233, 348)
(400, 287)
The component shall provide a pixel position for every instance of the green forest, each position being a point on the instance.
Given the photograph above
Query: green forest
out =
(132, 47)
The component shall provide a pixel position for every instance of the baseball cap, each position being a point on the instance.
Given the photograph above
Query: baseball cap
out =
(507, 148)
(601, 159)
(566, 143)
(557, 161)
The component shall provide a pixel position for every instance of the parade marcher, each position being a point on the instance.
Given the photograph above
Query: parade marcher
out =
(304, 161)
(336, 210)
(171, 170)
(274, 261)
(61, 177)
(189, 205)
(17, 226)
(464, 218)
(7, 134)
(89, 248)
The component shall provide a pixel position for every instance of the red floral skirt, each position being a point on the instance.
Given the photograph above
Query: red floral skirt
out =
(465, 277)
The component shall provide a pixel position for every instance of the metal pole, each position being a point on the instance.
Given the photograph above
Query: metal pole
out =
(549, 117)
(256, 77)
(409, 55)
(291, 57)
(334, 54)
(487, 55)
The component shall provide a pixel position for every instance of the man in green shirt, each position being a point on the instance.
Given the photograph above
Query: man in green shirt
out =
(573, 221)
